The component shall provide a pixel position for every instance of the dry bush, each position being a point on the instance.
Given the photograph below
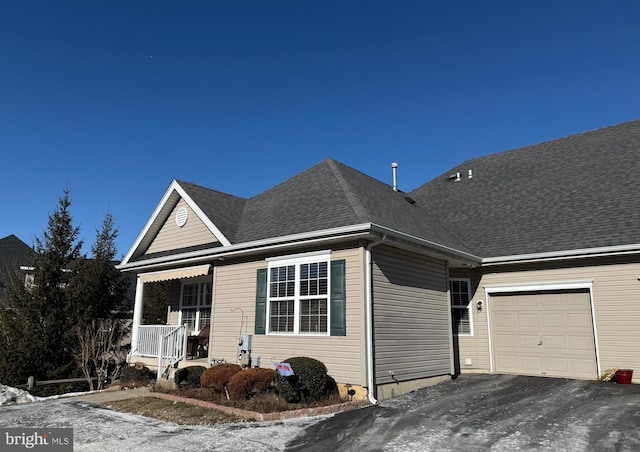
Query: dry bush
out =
(251, 382)
(218, 376)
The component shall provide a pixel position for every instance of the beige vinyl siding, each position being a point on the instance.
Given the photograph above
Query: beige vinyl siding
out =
(411, 316)
(616, 303)
(474, 348)
(235, 287)
(172, 237)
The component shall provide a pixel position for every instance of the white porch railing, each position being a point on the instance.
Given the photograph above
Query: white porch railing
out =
(172, 337)
(148, 336)
(172, 347)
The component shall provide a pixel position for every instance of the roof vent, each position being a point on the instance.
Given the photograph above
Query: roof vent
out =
(455, 176)
(394, 168)
(470, 176)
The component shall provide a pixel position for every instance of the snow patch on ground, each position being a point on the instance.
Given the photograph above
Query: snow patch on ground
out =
(15, 396)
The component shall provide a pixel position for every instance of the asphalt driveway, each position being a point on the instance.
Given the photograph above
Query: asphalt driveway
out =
(471, 413)
(489, 412)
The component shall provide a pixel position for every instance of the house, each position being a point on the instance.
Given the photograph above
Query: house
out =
(524, 262)
(14, 257)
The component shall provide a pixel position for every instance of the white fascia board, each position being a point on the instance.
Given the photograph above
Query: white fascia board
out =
(271, 244)
(173, 187)
(440, 249)
(563, 255)
(150, 221)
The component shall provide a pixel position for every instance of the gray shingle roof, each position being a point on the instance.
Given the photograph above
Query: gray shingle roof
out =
(224, 210)
(577, 192)
(14, 252)
(326, 196)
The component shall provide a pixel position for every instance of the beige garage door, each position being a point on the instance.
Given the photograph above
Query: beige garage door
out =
(543, 333)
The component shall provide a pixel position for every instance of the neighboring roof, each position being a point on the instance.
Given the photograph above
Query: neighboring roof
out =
(577, 192)
(13, 252)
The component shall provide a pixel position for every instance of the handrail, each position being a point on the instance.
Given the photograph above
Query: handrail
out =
(172, 346)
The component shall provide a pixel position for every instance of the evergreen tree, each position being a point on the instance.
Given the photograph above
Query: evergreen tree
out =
(101, 291)
(56, 260)
(17, 328)
(37, 321)
(41, 325)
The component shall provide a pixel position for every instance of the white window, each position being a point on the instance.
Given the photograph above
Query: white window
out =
(298, 294)
(195, 304)
(461, 307)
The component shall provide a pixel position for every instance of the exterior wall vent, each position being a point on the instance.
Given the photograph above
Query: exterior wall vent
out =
(181, 217)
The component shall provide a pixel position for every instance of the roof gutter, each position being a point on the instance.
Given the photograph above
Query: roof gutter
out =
(563, 255)
(441, 250)
(369, 319)
(248, 248)
(309, 238)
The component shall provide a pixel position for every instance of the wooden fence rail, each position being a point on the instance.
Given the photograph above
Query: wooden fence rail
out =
(32, 383)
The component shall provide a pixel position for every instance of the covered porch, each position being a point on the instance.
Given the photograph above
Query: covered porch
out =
(185, 339)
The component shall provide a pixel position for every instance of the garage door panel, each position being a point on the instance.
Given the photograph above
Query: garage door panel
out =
(581, 367)
(527, 320)
(505, 320)
(579, 321)
(530, 363)
(505, 341)
(580, 344)
(554, 344)
(552, 320)
(546, 333)
(507, 362)
(550, 302)
(576, 300)
(528, 342)
(523, 302)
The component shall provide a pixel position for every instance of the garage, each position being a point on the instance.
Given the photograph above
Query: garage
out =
(544, 333)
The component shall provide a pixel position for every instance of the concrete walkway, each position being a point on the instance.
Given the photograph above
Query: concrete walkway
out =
(110, 395)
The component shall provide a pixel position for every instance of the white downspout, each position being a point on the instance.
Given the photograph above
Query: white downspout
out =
(369, 318)
(137, 316)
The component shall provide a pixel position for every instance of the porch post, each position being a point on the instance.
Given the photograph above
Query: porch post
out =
(137, 315)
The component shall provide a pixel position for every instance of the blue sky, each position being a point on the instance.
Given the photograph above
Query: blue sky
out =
(114, 99)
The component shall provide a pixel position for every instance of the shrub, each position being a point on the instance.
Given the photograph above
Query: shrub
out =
(189, 376)
(309, 382)
(251, 382)
(218, 376)
(133, 375)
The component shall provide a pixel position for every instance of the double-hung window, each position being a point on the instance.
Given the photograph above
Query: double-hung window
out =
(303, 294)
(195, 304)
(461, 307)
(298, 295)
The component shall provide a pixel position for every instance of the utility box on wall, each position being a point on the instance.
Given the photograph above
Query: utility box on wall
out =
(244, 343)
(244, 350)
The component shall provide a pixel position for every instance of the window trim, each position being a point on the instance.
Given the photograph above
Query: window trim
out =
(459, 306)
(200, 302)
(297, 260)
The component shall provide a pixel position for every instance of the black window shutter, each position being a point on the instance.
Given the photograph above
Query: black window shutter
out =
(261, 301)
(338, 299)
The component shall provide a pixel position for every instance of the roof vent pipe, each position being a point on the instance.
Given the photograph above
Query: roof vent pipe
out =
(470, 174)
(394, 169)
